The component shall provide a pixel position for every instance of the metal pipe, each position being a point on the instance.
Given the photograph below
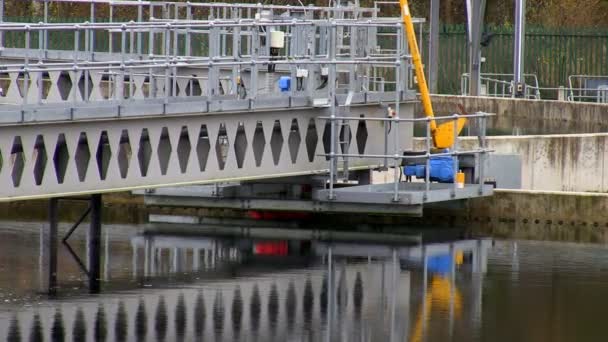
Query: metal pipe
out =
(518, 49)
(423, 156)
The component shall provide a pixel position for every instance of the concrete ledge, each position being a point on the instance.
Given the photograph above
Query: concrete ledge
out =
(541, 215)
(519, 116)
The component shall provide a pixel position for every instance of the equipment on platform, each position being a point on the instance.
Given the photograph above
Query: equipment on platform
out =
(277, 42)
(443, 134)
(441, 170)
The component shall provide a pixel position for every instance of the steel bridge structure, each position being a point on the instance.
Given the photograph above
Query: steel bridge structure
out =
(187, 93)
(252, 106)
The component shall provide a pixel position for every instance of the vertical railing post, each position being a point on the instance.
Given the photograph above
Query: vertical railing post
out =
(483, 155)
(427, 169)
(167, 46)
(331, 85)
(188, 37)
(46, 20)
(140, 14)
(2, 21)
(396, 135)
(39, 80)
(91, 36)
(455, 155)
(236, 51)
(123, 51)
(174, 56)
(254, 46)
(26, 71)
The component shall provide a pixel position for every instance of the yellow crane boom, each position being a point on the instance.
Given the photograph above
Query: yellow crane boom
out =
(443, 134)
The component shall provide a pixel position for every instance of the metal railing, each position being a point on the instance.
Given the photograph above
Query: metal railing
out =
(480, 153)
(236, 53)
(588, 88)
(501, 85)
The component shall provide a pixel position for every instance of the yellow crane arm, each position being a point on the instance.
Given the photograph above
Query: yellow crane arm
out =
(443, 135)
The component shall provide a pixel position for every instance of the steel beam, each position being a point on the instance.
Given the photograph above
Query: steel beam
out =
(96, 156)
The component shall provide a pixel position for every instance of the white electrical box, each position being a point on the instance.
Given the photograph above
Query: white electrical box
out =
(302, 73)
(277, 39)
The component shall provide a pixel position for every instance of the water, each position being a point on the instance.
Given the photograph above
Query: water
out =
(162, 287)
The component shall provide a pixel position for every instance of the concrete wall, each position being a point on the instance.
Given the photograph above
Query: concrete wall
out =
(574, 162)
(515, 116)
(539, 215)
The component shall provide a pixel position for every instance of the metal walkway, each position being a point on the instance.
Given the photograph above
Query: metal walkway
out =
(203, 93)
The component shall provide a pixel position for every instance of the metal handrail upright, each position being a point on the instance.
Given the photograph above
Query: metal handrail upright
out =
(331, 85)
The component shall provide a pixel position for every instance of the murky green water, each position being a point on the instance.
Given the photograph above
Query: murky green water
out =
(159, 287)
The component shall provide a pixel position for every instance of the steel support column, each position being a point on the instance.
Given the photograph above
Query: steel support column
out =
(434, 46)
(518, 49)
(1, 21)
(94, 244)
(476, 10)
(52, 241)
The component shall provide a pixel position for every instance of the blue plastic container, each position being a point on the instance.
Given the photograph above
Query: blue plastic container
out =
(285, 83)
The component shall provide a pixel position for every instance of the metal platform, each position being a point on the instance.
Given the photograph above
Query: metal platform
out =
(372, 199)
(408, 193)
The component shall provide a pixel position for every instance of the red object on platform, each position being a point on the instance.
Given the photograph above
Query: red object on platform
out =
(276, 215)
(279, 248)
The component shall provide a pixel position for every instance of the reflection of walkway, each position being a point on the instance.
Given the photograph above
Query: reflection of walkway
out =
(262, 310)
(347, 299)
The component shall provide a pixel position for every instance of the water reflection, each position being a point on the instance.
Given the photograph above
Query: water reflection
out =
(141, 321)
(308, 303)
(79, 332)
(200, 315)
(255, 308)
(180, 317)
(218, 314)
(14, 334)
(273, 307)
(237, 311)
(120, 327)
(101, 328)
(160, 320)
(36, 334)
(57, 331)
(358, 298)
(290, 305)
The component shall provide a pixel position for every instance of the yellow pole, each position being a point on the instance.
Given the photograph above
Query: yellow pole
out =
(417, 60)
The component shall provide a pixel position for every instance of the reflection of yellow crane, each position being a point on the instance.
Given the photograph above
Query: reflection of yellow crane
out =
(442, 295)
(443, 134)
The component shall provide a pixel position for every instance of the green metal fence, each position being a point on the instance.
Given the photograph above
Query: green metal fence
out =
(551, 54)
